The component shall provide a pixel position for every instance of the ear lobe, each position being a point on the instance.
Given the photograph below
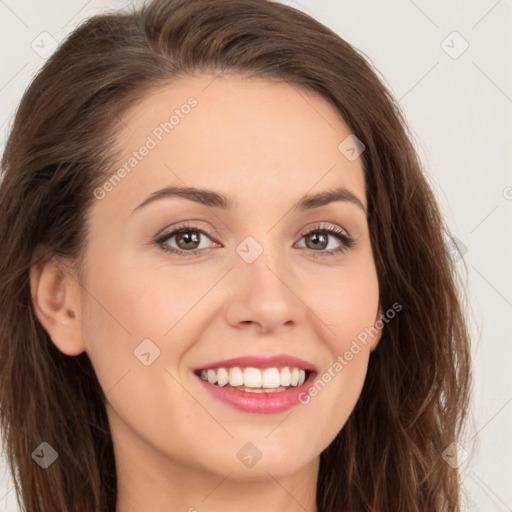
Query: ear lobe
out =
(56, 304)
(377, 337)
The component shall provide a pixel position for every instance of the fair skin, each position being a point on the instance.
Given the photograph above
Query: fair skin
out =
(264, 145)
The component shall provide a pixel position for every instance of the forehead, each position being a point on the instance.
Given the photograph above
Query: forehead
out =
(248, 136)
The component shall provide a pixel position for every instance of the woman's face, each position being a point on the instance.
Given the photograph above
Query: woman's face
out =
(244, 281)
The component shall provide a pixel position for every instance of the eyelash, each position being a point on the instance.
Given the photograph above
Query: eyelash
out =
(346, 241)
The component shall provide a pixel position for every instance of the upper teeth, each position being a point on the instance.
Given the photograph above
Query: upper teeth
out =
(254, 377)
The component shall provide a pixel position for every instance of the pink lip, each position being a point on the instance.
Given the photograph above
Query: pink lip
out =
(261, 362)
(263, 403)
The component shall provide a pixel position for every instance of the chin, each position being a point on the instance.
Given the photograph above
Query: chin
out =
(263, 459)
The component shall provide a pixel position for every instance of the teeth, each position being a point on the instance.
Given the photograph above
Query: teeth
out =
(212, 376)
(254, 379)
(263, 390)
(285, 377)
(271, 378)
(236, 377)
(222, 377)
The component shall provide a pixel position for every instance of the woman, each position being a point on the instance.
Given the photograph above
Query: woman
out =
(226, 284)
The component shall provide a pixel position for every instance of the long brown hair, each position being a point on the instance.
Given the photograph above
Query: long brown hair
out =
(388, 456)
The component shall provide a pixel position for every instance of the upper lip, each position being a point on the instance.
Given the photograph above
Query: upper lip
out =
(261, 362)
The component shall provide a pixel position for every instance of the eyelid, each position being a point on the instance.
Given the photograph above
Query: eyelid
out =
(174, 230)
(347, 242)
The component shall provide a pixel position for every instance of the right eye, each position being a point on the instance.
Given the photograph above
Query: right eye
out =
(187, 238)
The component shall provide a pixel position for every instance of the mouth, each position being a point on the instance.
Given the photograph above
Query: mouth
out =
(257, 384)
(256, 380)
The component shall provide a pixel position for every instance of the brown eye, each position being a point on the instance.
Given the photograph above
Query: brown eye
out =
(184, 240)
(319, 240)
(187, 239)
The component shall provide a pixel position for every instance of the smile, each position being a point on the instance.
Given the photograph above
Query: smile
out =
(262, 392)
(255, 380)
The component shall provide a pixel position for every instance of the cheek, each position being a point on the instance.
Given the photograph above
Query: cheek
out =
(347, 305)
(346, 301)
(136, 301)
(152, 300)
(128, 303)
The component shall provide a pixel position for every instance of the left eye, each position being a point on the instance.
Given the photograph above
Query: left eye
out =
(188, 240)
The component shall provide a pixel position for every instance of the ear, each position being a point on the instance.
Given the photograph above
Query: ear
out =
(56, 299)
(374, 340)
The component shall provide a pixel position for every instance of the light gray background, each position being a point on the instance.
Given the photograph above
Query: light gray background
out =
(459, 108)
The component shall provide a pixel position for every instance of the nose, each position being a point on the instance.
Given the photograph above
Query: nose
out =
(265, 296)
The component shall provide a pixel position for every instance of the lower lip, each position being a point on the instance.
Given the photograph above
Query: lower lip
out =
(262, 403)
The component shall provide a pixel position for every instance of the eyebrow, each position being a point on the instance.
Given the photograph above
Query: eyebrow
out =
(216, 200)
